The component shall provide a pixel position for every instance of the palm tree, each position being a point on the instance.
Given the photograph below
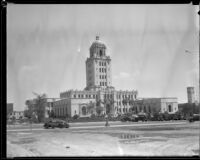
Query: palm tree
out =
(39, 106)
(91, 107)
(109, 106)
(99, 108)
(30, 108)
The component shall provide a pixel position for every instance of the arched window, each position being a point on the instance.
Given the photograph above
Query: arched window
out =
(84, 110)
(145, 109)
(136, 109)
(101, 53)
(149, 109)
(169, 108)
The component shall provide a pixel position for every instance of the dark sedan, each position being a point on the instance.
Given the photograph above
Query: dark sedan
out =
(193, 118)
(130, 118)
(56, 123)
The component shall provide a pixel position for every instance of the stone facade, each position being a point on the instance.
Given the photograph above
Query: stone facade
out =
(73, 102)
(151, 105)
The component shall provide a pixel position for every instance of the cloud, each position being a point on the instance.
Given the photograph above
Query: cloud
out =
(79, 49)
(122, 75)
(126, 75)
(29, 68)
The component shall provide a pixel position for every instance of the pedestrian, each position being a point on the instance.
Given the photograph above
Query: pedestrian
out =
(106, 121)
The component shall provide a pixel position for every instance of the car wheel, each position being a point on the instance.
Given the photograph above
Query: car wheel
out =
(60, 126)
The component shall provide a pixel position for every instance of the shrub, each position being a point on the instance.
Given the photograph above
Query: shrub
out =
(166, 116)
(155, 116)
(93, 116)
(75, 116)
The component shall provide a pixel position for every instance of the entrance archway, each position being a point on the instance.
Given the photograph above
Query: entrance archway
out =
(83, 110)
(108, 109)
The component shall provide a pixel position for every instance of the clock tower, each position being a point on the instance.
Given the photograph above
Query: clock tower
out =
(98, 67)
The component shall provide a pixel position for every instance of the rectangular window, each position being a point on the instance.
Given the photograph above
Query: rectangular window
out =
(100, 76)
(74, 96)
(82, 96)
(106, 83)
(86, 96)
(89, 96)
(99, 69)
(105, 64)
(99, 63)
(105, 70)
(105, 76)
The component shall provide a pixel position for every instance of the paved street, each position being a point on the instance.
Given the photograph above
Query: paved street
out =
(37, 127)
(178, 138)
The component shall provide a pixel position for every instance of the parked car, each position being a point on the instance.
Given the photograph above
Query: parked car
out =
(56, 123)
(134, 118)
(130, 118)
(142, 117)
(193, 118)
(125, 118)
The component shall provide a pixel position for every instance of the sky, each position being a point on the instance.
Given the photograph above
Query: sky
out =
(47, 46)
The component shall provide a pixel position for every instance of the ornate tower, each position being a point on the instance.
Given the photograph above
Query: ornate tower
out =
(98, 67)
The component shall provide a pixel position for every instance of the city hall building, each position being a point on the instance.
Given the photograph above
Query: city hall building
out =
(99, 93)
(99, 96)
